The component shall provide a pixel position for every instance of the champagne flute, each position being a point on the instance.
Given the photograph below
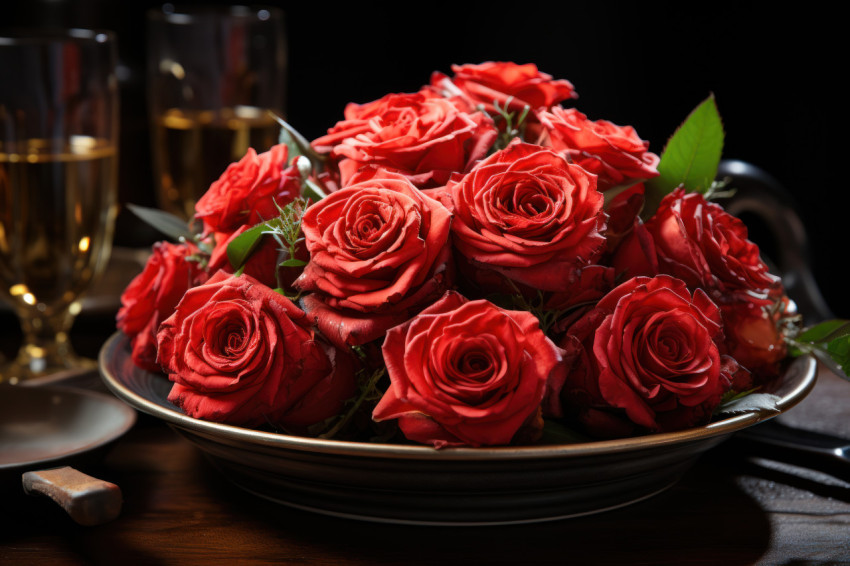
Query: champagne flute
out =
(213, 76)
(58, 185)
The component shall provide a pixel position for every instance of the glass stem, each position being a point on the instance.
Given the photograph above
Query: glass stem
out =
(46, 342)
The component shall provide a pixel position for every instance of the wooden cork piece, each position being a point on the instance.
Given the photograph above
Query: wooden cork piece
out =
(89, 501)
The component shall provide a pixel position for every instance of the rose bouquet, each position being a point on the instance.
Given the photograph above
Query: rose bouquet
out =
(472, 264)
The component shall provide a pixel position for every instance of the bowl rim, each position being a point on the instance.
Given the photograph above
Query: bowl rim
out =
(117, 346)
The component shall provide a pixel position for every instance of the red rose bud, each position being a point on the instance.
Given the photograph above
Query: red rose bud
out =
(242, 354)
(153, 295)
(379, 253)
(526, 215)
(647, 357)
(422, 136)
(468, 373)
(616, 154)
(249, 191)
(510, 85)
(754, 335)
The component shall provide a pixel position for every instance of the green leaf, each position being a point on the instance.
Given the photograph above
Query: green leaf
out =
(691, 156)
(244, 244)
(693, 153)
(828, 342)
(733, 395)
(297, 145)
(839, 351)
(167, 223)
(292, 262)
(753, 403)
(826, 331)
(832, 364)
(312, 190)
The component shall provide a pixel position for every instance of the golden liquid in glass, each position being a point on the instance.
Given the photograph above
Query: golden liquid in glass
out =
(57, 210)
(193, 148)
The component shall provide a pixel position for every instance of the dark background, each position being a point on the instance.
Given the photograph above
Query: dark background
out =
(773, 74)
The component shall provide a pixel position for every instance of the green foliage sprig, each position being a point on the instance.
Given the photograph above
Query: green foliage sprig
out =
(514, 125)
(285, 229)
(828, 342)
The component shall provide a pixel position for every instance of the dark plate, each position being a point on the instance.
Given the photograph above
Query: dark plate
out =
(421, 485)
(44, 426)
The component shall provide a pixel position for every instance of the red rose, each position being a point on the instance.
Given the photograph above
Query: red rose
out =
(422, 135)
(527, 215)
(153, 295)
(508, 84)
(379, 251)
(701, 244)
(467, 373)
(249, 191)
(240, 353)
(614, 153)
(646, 357)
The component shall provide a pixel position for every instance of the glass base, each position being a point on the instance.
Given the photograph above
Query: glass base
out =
(27, 368)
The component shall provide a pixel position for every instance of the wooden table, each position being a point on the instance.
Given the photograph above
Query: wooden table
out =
(729, 509)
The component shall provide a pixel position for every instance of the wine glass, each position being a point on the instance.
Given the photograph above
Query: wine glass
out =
(214, 75)
(58, 185)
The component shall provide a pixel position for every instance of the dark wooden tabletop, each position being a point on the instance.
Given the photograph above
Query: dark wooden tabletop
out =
(731, 508)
